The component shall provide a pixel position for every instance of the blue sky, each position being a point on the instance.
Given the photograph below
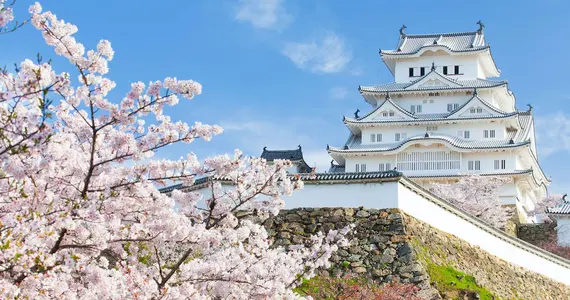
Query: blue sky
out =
(282, 73)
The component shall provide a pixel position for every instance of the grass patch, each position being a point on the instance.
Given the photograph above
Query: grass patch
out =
(447, 279)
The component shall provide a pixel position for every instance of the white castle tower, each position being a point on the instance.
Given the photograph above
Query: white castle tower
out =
(442, 117)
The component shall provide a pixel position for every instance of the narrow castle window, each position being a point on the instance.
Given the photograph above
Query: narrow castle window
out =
(500, 164)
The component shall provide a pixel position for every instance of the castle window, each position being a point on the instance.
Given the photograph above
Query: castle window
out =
(400, 136)
(431, 128)
(416, 108)
(500, 164)
(444, 70)
(411, 71)
(474, 165)
(464, 134)
(431, 101)
(360, 168)
(391, 114)
(425, 101)
(378, 137)
(489, 133)
(373, 138)
(452, 106)
(384, 167)
(479, 110)
(456, 69)
(433, 94)
(422, 71)
(384, 114)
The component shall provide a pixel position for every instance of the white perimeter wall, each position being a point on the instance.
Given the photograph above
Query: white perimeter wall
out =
(374, 195)
(421, 205)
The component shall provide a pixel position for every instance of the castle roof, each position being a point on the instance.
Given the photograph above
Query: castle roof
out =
(295, 156)
(306, 177)
(518, 137)
(455, 114)
(292, 155)
(562, 209)
(354, 143)
(455, 84)
(457, 43)
(454, 42)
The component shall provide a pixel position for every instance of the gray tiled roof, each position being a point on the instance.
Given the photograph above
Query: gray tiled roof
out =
(354, 144)
(344, 176)
(336, 169)
(292, 155)
(403, 87)
(431, 117)
(350, 176)
(455, 42)
(562, 209)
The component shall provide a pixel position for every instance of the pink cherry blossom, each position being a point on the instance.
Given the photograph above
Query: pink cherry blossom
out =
(81, 213)
(477, 195)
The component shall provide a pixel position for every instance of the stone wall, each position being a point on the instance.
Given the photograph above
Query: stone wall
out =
(388, 245)
(536, 233)
(503, 279)
(380, 248)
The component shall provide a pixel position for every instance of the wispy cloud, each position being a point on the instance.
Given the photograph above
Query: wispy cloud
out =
(328, 55)
(553, 133)
(338, 92)
(263, 14)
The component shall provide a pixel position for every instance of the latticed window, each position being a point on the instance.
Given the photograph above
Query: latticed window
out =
(474, 165)
(385, 167)
(500, 164)
(433, 160)
(360, 168)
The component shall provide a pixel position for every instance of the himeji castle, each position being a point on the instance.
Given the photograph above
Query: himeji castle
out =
(442, 117)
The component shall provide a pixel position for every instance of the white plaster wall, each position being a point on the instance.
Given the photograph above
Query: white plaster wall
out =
(476, 131)
(439, 104)
(369, 195)
(469, 65)
(493, 241)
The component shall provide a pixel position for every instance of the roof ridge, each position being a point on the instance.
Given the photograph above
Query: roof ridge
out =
(420, 35)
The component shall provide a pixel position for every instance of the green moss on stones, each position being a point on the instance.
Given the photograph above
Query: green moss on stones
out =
(447, 279)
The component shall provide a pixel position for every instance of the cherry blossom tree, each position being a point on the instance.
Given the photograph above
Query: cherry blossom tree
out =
(477, 195)
(81, 215)
(551, 200)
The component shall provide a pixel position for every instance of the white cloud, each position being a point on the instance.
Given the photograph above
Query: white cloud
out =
(338, 92)
(553, 133)
(329, 55)
(264, 14)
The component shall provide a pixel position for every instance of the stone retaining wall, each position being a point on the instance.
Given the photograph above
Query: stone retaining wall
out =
(536, 233)
(388, 245)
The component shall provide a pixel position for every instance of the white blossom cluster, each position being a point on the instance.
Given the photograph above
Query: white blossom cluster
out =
(81, 216)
